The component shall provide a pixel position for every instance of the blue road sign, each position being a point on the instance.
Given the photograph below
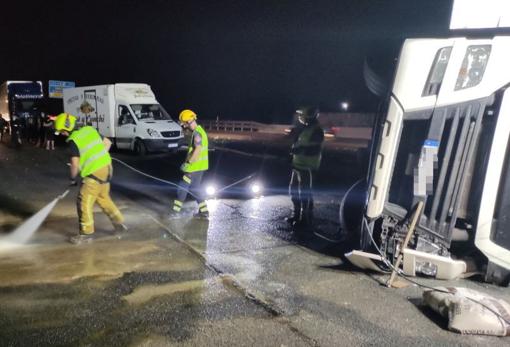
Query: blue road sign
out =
(55, 88)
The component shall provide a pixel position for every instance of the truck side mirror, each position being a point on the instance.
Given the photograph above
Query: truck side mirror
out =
(121, 119)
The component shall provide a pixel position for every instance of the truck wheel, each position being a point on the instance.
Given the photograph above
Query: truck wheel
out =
(351, 213)
(140, 148)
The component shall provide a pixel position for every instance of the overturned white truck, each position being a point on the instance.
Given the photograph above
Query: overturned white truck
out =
(443, 140)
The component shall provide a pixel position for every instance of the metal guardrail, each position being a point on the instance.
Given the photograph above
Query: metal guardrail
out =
(244, 127)
(232, 125)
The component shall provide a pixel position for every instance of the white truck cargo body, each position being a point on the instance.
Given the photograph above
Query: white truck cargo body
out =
(129, 114)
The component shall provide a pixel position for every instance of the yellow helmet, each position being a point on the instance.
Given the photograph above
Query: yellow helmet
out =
(64, 122)
(187, 116)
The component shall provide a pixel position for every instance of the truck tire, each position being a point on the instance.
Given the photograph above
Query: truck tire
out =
(351, 211)
(140, 148)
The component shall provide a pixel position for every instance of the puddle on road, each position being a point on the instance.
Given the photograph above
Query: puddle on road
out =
(145, 293)
(102, 260)
(153, 340)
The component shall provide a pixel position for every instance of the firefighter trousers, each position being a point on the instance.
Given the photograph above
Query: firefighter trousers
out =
(300, 190)
(191, 182)
(92, 192)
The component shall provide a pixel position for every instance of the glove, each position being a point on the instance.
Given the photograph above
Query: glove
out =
(73, 182)
(184, 167)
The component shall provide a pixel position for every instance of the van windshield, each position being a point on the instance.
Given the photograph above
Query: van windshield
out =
(150, 112)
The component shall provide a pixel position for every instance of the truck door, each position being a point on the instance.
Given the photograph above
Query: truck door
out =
(90, 112)
(125, 127)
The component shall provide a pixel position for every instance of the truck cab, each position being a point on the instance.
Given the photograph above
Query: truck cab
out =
(443, 142)
(20, 106)
(145, 127)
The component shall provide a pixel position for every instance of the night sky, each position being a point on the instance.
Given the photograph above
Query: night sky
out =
(254, 60)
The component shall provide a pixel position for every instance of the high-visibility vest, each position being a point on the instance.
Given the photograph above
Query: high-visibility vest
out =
(307, 161)
(93, 154)
(202, 163)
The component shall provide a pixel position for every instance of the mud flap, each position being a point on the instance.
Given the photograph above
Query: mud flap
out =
(366, 261)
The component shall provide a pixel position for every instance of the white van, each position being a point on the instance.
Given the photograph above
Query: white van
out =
(127, 113)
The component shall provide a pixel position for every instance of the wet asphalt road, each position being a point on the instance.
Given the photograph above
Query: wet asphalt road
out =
(240, 278)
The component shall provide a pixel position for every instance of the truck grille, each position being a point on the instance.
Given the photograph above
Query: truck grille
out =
(171, 133)
(458, 127)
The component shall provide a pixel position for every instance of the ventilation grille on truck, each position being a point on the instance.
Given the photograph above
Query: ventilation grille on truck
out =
(458, 164)
(171, 133)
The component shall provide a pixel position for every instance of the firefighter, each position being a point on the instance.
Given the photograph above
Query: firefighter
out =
(194, 167)
(306, 152)
(91, 160)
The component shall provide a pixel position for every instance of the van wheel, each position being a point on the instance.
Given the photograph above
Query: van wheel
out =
(140, 148)
(114, 145)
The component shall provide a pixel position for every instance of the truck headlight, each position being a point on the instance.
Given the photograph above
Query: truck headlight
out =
(473, 66)
(437, 71)
(152, 133)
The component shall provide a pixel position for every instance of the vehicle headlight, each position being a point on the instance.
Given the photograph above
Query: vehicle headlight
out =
(152, 133)
(473, 66)
(210, 190)
(437, 71)
(256, 189)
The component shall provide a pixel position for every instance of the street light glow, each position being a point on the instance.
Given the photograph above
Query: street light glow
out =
(344, 105)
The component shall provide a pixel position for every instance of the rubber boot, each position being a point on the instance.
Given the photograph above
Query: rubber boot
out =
(201, 215)
(81, 238)
(120, 230)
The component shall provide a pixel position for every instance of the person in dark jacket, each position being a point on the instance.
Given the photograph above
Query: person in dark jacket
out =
(3, 125)
(49, 132)
(306, 151)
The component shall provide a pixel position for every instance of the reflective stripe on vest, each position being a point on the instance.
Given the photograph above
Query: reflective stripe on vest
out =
(202, 162)
(93, 154)
(304, 161)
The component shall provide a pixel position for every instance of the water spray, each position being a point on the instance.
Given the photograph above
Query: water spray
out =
(26, 230)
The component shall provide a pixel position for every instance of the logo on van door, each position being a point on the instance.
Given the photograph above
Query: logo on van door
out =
(86, 108)
(89, 119)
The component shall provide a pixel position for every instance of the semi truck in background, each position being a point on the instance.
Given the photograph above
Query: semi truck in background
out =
(129, 114)
(443, 143)
(20, 106)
